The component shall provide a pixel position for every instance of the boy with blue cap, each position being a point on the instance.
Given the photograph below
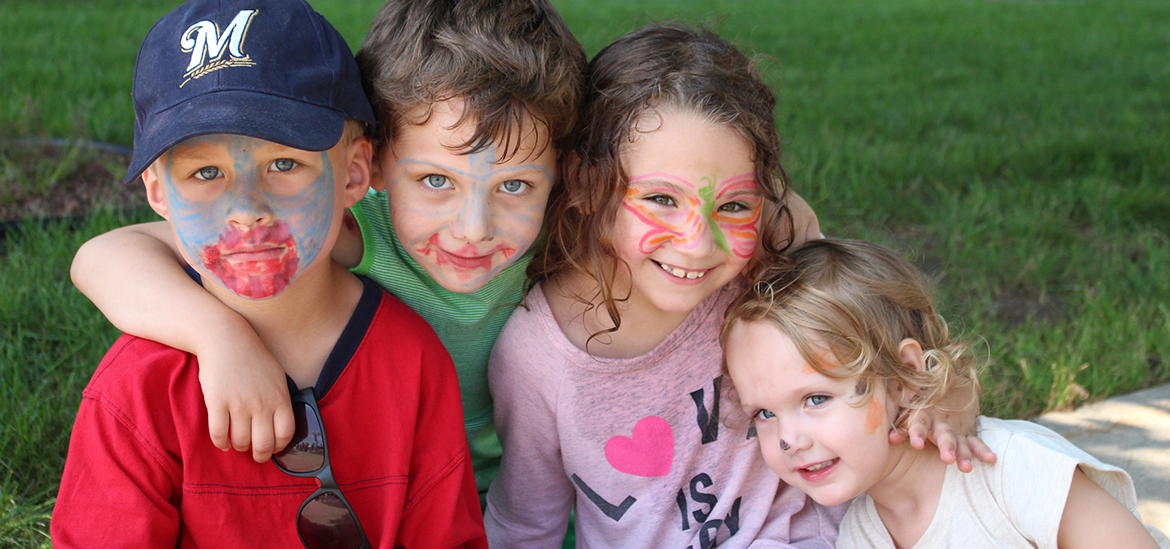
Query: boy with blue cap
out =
(249, 123)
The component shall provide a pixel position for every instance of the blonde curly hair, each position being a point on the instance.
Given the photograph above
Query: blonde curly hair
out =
(858, 301)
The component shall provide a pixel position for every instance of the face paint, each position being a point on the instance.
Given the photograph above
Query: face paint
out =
(838, 448)
(873, 414)
(252, 235)
(673, 235)
(468, 216)
(458, 215)
(735, 232)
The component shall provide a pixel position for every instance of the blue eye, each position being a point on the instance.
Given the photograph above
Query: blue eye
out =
(513, 186)
(816, 400)
(763, 415)
(283, 165)
(435, 180)
(207, 173)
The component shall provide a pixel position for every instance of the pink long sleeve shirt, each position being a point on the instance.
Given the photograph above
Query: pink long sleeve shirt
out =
(637, 447)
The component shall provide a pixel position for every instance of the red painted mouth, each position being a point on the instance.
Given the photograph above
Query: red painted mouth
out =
(254, 264)
(467, 258)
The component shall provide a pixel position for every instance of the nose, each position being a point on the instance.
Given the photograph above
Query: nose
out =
(696, 238)
(473, 221)
(708, 237)
(249, 207)
(792, 435)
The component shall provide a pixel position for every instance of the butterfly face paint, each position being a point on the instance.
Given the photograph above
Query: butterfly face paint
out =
(729, 209)
(689, 221)
(250, 213)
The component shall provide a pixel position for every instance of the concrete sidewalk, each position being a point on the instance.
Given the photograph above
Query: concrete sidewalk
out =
(1131, 432)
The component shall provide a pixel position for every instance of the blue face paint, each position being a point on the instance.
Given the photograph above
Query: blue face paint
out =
(254, 229)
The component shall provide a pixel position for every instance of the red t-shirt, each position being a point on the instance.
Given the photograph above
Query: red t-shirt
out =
(142, 471)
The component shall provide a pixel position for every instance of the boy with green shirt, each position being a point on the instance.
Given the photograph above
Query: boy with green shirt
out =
(472, 98)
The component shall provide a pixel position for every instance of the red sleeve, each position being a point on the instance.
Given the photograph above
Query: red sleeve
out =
(119, 487)
(442, 504)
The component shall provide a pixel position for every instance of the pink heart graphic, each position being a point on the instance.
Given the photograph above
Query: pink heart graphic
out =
(648, 453)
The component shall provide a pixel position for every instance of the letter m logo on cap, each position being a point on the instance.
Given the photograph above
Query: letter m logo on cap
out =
(206, 45)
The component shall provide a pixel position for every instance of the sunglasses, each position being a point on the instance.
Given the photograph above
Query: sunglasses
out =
(325, 520)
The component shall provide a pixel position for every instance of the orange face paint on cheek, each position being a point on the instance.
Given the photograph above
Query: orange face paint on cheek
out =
(873, 415)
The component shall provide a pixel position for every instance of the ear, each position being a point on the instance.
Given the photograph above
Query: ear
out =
(377, 175)
(156, 196)
(910, 353)
(359, 164)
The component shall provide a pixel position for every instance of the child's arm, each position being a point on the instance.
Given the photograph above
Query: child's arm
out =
(529, 502)
(135, 277)
(1093, 518)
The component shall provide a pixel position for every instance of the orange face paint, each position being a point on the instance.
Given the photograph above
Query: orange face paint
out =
(873, 416)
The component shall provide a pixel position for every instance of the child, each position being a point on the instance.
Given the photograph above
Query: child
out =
(607, 384)
(473, 97)
(830, 350)
(253, 161)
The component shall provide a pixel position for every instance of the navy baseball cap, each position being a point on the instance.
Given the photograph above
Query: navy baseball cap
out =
(270, 69)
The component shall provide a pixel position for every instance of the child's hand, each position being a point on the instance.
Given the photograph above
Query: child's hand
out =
(247, 398)
(952, 446)
(805, 225)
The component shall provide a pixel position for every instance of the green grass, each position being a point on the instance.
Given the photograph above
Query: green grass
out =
(1020, 151)
(50, 341)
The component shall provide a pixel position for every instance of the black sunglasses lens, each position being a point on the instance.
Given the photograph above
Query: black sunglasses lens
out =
(306, 451)
(326, 523)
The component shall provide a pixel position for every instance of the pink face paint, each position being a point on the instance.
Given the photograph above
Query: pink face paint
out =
(734, 232)
(680, 233)
(741, 231)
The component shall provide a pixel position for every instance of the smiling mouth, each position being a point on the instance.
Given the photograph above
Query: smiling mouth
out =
(465, 262)
(681, 273)
(819, 466)
(818, 471)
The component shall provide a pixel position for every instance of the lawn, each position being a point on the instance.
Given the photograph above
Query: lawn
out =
(1018, 151)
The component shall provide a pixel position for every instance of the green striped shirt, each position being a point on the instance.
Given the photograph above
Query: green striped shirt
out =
(467, 324)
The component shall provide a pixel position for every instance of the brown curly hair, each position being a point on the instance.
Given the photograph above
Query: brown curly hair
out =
(646, 72)
(859, 300)
(514, 63)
